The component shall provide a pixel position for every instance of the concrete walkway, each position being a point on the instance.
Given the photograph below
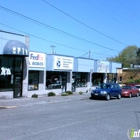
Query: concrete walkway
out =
(10, 103)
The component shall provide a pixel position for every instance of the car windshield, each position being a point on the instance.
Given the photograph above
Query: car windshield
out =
(137, 86)
(104, 86)
(126, 87)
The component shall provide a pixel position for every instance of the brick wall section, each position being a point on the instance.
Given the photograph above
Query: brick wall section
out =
(128, 74)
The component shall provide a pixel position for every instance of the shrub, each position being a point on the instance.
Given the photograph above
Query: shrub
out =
(64, 94)
(69, 92)
(138, 81)
(80, 92)
(34, 96)
(51, 94)
(130, 81)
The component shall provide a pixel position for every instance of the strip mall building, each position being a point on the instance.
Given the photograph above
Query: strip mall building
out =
(25, 72)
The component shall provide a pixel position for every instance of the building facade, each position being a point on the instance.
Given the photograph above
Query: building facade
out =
(14, 51)
(24, 72)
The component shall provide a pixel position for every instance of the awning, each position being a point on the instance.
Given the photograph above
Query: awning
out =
(14, 47)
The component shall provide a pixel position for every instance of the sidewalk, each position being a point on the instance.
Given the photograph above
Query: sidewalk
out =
(42, 100)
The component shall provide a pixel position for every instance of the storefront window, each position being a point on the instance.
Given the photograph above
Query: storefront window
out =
(33, 80)
(6, 73)
(97, 78)
(79, 79)
(55, 80)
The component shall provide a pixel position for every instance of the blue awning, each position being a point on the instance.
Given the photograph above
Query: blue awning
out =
(14, 47)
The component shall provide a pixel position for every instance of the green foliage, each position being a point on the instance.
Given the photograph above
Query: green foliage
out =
(51, 94)
(127, 56)
(64, 94)
(130, 81)
(80, 92)
(137, 81)
(69, 92)
(34, 96)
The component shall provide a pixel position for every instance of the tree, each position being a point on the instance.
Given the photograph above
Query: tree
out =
(138, 57)
(127, 56)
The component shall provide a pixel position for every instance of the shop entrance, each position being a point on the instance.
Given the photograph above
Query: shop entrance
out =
(18, 85)
(18, 76)
(64, 83)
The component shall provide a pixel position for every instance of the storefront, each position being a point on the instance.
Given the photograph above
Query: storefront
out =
(105, 71)
(25, 73)
(81, 74)
(36, 73)
(14, 50)
(59, 73)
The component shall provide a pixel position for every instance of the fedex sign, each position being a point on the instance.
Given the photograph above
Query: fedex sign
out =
(37, 59)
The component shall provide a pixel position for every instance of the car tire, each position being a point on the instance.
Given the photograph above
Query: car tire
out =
(107, 97)
(91, 98)
(130, 95)
(119, 96)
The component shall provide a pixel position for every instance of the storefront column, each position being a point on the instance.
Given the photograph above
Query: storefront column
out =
(25, 77)
(89, 79)
(69, 81)
(42, 80)
(105, 78)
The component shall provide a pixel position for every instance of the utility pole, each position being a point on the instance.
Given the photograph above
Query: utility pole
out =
(52, 49)
(89, 53)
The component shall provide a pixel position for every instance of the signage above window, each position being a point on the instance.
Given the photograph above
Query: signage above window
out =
(63, 63)
(14, 47)
(103, 66)
(37, 59)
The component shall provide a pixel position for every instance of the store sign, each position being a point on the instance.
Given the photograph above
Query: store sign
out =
(36, 59)
(103, 67)
(18, 50)
(63, 63)
(14, 47)
(5, 71)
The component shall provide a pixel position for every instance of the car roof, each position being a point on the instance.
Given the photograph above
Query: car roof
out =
(128, 86)
(110, 83)
(137, 85)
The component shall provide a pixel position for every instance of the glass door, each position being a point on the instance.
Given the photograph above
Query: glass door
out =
(18, 85)
(18, 76)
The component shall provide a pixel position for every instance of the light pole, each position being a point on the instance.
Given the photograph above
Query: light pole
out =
(52, 48)
(90, 51)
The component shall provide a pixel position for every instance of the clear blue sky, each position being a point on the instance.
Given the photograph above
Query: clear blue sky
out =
(105, 27)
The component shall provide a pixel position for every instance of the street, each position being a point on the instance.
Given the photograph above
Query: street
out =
(73, 120)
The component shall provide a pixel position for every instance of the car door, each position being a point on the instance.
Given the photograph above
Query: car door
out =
(117, 89)
(112, 90)
(135, 91)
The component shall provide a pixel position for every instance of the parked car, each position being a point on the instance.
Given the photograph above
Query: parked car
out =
(129, 91)
(138, 87)
(107, 91)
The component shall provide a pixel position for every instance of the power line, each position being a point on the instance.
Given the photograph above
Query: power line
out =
(50, 27)
(113, 17)
(43, 38)
(129, 10)
(50, 41)
(84, 23)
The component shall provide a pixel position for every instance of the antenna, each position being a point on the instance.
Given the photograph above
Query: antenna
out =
(52, 49)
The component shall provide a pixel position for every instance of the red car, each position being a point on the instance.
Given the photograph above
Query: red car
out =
(129, 91)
